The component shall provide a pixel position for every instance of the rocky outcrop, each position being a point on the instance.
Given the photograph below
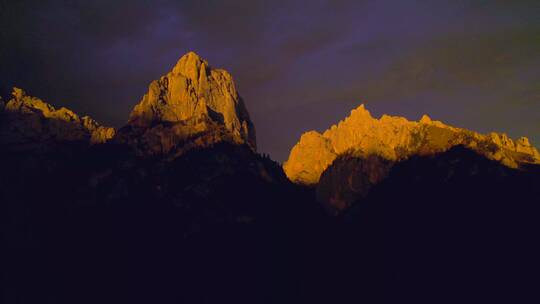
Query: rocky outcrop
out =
(194, 105)
(29, 123)
(390, 138)
(98, 133)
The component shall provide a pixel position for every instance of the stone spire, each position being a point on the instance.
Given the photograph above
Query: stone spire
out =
(191, 93)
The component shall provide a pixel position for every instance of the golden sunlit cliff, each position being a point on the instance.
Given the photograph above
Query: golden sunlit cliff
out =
(194, 105)
(395, 138)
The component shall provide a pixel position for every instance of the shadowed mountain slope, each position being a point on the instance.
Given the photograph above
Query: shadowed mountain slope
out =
(449, 227)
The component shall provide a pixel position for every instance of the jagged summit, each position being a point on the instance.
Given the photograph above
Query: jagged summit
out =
(425, 119)
(190, 65)
(191, 101)
(396, 138)
(29, 123)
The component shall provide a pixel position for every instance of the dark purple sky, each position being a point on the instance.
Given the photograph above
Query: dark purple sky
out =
(300, 65)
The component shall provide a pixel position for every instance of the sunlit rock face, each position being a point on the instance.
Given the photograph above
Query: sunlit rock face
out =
(193, 105)
(389, 138)
(396, 138)
(29, 123)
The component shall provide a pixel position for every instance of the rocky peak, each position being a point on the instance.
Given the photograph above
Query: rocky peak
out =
(395, 139)
(29, 122)
(193, 101)
(192, 66)
(524, 141)
(349, 158)
(425, 119)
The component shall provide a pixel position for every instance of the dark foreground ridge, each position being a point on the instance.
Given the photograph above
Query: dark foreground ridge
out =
(217, 222)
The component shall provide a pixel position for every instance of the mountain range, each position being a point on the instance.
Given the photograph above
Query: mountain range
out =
(177, 206)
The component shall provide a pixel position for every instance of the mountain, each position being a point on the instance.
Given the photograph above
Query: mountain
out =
(187, 144)
(29, 123)
(177, 206)
(345, 161)
(194, 105)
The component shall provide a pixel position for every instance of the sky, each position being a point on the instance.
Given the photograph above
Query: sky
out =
(299, 65)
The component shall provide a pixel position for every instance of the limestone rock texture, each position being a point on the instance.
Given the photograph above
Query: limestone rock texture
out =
(29, 123)
(194, 105)
(395, 139)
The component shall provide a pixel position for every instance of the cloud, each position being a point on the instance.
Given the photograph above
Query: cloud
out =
(303, 58)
